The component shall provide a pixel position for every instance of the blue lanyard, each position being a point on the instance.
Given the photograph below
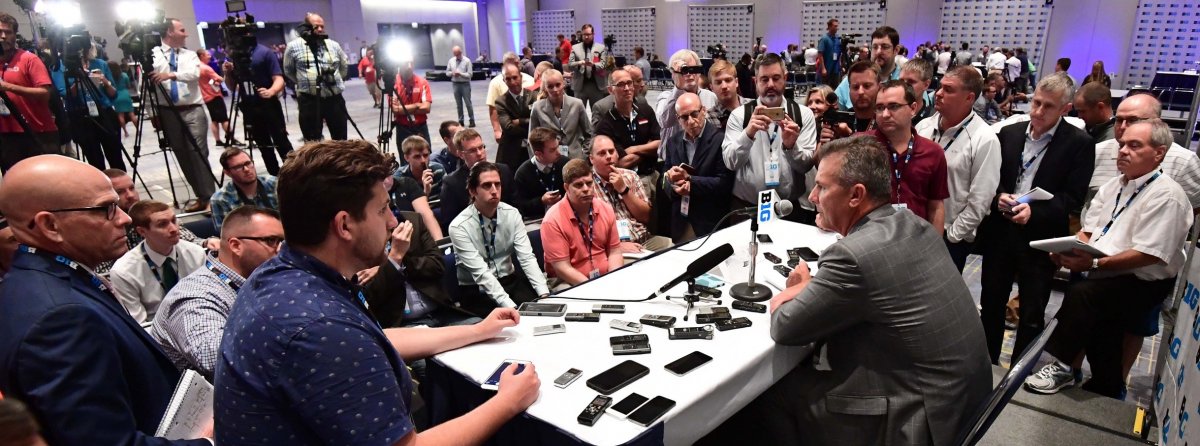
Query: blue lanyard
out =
(632, 126)
(543, 177)
(956, 133)
(153, 267)
(228, 281)
(896, 170)
(490, 246)
(1117, 212)
(771, 135)
(68, 262)
(1025, 165)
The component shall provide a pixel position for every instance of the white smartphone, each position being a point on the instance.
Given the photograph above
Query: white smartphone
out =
(493, 382)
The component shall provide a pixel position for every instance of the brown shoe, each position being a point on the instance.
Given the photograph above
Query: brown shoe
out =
(197, 206)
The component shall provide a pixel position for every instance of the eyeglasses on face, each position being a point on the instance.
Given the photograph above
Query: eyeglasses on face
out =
(271, 241)
(891, 108)
(110, 211)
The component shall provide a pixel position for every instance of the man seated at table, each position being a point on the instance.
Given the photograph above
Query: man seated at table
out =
(693, 210)
(539, 180)
(191, 318)
(245, 186)
(144, 274)
(487, 235)
(901, 357)
(1141, 218)
(626, 195)
(318, 369)
(579, 234)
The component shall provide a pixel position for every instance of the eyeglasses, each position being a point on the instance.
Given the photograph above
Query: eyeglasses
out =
(271, 241)
(891, 108)
(623, 85)
(247, 164)
(110, 211)
(882, 47)
(1129, 120)
(693, 115)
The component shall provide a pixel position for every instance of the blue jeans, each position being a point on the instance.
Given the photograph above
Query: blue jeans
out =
(462, 93)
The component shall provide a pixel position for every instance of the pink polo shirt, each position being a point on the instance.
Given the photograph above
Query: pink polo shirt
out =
(563, 239)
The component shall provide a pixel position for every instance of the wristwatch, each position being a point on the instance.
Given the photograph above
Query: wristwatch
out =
(1095, 264)
(622, 193)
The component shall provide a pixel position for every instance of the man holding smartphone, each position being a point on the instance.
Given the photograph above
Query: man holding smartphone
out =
(539, 179)
(770, 142)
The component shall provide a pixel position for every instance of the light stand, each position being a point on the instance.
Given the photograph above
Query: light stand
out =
(750, 291)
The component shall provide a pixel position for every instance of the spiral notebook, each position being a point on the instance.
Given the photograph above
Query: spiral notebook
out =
(190, 413)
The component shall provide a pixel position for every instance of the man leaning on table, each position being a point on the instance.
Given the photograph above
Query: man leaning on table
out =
(900, 356)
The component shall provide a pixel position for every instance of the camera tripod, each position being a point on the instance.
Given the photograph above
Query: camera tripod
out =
(150, 99)
(691, 298)
(324, 82)
(236, 103)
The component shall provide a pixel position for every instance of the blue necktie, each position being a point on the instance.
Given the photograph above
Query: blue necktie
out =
(174, 84)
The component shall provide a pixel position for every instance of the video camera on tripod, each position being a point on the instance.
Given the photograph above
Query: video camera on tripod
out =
(716, 51)
(139, 37)
(238, 33)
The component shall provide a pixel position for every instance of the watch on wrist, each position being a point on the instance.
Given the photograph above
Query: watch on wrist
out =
(622, 193)
(1095, 264)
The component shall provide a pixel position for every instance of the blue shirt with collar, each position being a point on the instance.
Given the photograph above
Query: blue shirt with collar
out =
(303, 363)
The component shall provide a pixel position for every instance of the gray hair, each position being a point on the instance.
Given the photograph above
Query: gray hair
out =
(1059, 83)
(919, 66)
(1160, 132)
(630, 69)
(864, 162)
(682, 55)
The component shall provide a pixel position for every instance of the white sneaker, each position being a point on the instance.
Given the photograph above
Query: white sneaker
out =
(1050, 379)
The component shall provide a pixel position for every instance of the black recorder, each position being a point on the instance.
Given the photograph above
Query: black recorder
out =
(701, 332)
(749, 306)
(657, 320)
(708, 315)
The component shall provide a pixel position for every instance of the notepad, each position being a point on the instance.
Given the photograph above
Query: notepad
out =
(190, 413)
(1036, 194)
(1065, 245)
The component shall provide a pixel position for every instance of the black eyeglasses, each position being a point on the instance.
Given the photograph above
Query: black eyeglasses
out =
(109, 209)
(271, 241)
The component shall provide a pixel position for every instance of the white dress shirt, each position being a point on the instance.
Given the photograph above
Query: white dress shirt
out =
(471, 252)
(747, 158)
(1155, 223)
(187, 75)
(1181, 164)
(973, 162)
(995, 61)
(135, 284)
(1033, 154)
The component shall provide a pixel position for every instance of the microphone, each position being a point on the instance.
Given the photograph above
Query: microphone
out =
(700, 266)
(782, 208)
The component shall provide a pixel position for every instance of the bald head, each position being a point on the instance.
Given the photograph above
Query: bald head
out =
(36, 195)
(1135, 108)
(691, 114)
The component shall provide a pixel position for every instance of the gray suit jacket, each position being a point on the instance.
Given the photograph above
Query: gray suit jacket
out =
(581, 72)
(573, 127)
(905, 346)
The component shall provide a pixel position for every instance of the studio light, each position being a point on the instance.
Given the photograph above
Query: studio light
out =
(398, 51)
(60, 12)
(135, 11)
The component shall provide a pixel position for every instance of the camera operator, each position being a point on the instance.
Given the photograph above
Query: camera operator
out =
(261, 107)
(318, 66)
(91, 118)
(26, 84)
(177, 71)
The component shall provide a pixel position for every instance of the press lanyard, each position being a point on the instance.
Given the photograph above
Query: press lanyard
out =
(632, 126)
(1117, 212)
(613, 196)
(69, 263)
(771, 135)
(153, 267)
(489, 246)
(228, 281)
(587, 237)
(543, 177)
(896, 170)
(956, 133)
(1025, 165)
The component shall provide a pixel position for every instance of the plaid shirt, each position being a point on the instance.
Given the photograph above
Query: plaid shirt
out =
(299, 66)
(610, 196)
(191, 318)
(229, 198)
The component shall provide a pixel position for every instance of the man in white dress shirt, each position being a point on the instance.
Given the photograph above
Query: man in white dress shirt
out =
(144, 274)
(1181, 164)
(972, 158)
(177, 70)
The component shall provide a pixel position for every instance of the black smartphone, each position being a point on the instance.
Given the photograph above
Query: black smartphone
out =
(834, 117)
(807, 254)
(765, 238)
(772, 257)
(614, 379)
(623, 408)
(651, 411)
(688, 168)
(685, 364)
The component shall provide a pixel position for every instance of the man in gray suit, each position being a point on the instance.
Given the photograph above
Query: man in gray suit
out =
(903, 359)
(589, 79)
(563, 114)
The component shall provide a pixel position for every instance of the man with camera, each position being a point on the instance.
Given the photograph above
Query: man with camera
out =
(318, 66)
(181, 111)
(26, 85)
(685, 72)
(255, 71)
(85, 83)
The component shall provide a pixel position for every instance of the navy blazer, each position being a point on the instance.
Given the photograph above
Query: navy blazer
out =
(712, 185)
(87, 371)
(1065, 172)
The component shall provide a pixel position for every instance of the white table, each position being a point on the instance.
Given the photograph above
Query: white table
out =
(745, 361)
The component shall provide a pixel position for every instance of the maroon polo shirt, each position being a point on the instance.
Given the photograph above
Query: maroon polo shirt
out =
(922, 178)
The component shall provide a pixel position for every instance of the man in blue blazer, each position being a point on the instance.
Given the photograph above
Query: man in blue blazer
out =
(710, 182)
(68, 349)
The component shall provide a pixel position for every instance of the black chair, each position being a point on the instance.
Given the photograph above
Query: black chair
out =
(987, 413)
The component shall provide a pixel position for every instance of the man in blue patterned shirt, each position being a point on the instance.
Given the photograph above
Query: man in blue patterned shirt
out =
(245, 186)
(191, 318)
(302, 360)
